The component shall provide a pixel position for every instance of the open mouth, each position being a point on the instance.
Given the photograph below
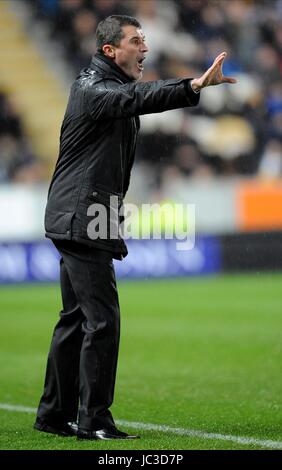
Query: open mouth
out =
(140, 64)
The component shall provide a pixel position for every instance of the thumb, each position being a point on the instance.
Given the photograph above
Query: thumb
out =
(229, 80)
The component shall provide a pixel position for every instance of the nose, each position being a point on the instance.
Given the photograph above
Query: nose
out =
(144, 47)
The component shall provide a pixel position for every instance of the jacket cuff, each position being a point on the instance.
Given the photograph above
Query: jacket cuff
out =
(193, 96)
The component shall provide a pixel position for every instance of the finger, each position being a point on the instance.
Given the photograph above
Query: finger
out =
(224, 53)
(217, 64)
(220, 57)
(218, 61)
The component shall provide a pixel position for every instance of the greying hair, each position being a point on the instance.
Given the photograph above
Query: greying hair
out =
(109, 30)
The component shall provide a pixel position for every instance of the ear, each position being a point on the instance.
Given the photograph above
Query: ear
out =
(109, 51)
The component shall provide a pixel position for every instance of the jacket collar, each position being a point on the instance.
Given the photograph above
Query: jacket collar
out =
(109, 68)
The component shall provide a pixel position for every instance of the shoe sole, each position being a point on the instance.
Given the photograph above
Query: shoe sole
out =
(94, 438)
(51, 430)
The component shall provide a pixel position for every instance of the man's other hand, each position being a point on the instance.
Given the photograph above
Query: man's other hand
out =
(213, 76)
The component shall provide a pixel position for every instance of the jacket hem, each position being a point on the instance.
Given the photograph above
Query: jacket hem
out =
(118, 252)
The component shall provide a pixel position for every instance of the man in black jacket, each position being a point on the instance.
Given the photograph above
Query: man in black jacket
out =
(97, 147)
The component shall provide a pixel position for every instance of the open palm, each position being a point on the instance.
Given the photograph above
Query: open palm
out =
(214, 75)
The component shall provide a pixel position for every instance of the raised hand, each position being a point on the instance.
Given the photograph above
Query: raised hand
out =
(213, 76)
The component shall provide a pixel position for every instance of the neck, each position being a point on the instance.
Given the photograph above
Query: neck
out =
(113, 64)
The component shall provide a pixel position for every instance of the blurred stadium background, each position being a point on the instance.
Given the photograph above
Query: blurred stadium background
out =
(225, 156)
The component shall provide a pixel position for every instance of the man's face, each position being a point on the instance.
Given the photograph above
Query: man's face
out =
(130, 53)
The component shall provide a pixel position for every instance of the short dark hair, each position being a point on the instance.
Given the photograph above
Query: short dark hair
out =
(109, 30)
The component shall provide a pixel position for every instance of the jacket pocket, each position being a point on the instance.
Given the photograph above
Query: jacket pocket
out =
(103, 214)
(59, 223)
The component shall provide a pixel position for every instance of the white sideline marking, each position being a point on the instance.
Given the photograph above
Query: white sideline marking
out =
(180, 431)
(21, 409)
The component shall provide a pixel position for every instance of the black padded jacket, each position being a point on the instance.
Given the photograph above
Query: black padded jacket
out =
(97, 146)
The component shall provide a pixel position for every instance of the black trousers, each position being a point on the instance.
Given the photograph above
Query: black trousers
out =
(81, 366)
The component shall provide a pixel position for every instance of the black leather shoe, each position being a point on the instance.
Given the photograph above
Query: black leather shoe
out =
(104, 434)
(65, 430)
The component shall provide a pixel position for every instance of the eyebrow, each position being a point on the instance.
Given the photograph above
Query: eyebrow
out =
(137, 37)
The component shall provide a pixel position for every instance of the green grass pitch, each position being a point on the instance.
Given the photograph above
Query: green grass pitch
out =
(199, 354)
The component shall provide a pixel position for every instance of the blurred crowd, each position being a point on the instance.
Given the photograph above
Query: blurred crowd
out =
(18, 162)
(236, 129)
